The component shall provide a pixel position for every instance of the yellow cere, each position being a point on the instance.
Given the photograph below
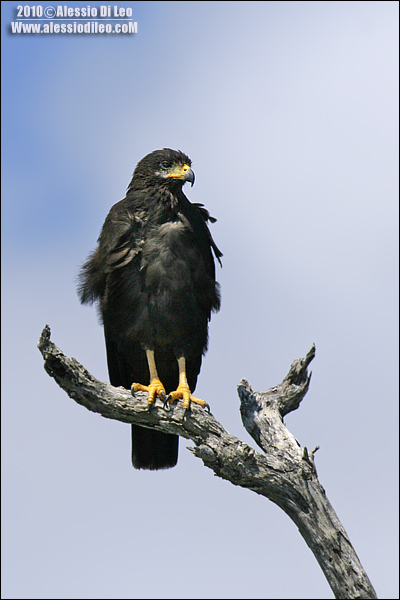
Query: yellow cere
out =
(179, 171)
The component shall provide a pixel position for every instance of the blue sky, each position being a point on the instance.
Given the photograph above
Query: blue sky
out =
(288, 111)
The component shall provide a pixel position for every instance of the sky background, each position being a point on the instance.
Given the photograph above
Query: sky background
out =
(288, 111)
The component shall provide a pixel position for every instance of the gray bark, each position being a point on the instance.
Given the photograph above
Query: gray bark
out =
(285, 474)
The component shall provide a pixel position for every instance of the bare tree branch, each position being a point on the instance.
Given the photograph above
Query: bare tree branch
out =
(285, 474)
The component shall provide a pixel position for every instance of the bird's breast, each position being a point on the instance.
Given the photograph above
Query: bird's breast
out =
(167, 254)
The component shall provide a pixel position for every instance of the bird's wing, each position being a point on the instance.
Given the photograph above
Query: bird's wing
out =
(207, 217)
(119, 242)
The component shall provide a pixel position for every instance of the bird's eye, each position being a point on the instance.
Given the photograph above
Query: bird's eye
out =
(165, 164)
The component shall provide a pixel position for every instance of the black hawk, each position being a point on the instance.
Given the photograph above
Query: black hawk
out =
(153, 276)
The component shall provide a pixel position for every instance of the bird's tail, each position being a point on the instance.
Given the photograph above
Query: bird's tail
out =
(153, 449)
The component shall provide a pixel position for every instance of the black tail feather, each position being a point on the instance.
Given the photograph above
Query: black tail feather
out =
(153, 449)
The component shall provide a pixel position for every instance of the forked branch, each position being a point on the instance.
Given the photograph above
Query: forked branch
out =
(285, 474)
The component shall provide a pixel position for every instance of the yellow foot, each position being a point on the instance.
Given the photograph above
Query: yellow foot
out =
(155, 387)
(183, 393)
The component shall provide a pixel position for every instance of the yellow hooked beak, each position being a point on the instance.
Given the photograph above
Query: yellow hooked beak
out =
(182, 172)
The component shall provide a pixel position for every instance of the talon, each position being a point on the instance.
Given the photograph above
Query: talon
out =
(138, 387)
(183, 393)
(155, 388)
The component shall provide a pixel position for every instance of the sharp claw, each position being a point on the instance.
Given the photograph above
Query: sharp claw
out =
(170, 399)
(207, 408)
(166, 402)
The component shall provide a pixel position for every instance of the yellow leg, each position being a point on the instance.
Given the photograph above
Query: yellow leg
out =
(183, 392)
(155, 387)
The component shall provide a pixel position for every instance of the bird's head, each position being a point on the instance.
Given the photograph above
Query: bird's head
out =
(166, 167)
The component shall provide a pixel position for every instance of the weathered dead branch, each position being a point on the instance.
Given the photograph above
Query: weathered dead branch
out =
(285, 474)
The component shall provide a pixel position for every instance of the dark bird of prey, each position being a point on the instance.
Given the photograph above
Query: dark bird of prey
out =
(153, 276)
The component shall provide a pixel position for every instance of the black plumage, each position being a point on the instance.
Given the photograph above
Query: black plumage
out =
(153, 275)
